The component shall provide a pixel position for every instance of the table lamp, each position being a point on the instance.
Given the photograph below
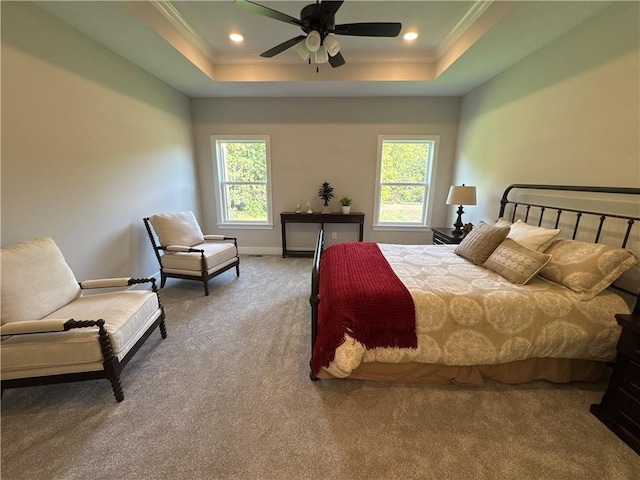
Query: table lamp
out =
(461, 195)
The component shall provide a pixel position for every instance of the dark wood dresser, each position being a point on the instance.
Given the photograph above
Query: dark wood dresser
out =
(620, 406)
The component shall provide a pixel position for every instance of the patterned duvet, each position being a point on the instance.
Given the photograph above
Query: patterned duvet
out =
(467, 315)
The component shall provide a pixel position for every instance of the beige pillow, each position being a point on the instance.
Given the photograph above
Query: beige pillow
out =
(535, 238)
(480, 242)
(177, 229)
(502, 222)
(36, 280)
(586, 268)
(515, 262)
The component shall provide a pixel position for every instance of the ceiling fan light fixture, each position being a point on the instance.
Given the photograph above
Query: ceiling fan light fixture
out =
(332, 45)
(313, 41)
(302, 50)
(321, 55)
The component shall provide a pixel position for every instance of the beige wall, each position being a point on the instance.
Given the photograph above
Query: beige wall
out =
(313, 140)
(568, 114)
(90, 145)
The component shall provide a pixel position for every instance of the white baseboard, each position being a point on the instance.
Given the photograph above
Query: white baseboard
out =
(259, 250)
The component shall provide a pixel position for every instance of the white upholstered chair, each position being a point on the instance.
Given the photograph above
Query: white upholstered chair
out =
(183, 251)
(52, 331)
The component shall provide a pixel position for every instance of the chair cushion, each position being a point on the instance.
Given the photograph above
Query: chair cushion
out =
(36, 280)
(127, 316)
(177, 229)
(215, 253)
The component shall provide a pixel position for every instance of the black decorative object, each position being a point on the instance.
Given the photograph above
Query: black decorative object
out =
(325, 192)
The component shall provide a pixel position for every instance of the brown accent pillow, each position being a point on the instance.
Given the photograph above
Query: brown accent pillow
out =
(586, 268)
(480, 242)
(515, 262)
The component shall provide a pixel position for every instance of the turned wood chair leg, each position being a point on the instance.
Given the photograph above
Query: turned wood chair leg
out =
(163, 329)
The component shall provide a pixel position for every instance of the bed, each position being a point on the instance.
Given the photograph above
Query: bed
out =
(531, 295)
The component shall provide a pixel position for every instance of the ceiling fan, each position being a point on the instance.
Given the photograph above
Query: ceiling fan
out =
(317, 21)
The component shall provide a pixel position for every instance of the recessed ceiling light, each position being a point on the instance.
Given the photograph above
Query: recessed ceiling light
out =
(410, 35)
(236, 37)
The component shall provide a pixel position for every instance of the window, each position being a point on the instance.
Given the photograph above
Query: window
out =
(406, 165)
(244, 186)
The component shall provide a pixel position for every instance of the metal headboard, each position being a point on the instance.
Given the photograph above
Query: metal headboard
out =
(570, 218)
(631, 220)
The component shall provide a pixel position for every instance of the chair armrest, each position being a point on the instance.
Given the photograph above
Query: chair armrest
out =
(51, 325)
(218, 237)
(181, 248)
(34, 326)
(114, 282)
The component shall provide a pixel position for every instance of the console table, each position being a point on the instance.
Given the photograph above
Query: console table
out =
(321, 218)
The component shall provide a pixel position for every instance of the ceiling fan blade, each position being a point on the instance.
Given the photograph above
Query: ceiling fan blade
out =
(328, 9)
(272, 52)
(371, 29)
(337, 60)
(267, 12)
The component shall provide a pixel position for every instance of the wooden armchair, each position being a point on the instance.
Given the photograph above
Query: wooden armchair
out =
(183, 251)
(51, 332)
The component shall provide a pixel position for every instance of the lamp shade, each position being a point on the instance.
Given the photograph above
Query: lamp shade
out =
(302, 50)
(461, 195)
(313, 41)
(332, 45)
(321, 55)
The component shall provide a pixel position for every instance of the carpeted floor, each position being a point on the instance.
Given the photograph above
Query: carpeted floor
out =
(227, 396)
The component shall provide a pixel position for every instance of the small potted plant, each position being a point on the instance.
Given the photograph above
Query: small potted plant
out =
(346, 204)
(325, 192)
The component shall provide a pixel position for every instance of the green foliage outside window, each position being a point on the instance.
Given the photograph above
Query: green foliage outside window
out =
(403, 178)
(245, 182)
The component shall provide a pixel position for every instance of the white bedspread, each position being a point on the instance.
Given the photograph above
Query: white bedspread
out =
(467, 315)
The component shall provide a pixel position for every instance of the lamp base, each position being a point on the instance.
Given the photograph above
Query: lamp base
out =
(458, 225)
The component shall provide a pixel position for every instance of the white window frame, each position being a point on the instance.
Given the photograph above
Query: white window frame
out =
(220, 181)
(423, 224)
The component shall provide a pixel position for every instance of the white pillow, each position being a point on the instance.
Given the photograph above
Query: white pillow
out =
(177, 229)
(36, 280)
(535, 238)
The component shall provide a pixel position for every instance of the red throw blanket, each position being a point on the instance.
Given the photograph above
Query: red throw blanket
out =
(361, 295)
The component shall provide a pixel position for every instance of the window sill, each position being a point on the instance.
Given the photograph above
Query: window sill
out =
(400, 228)
(245, 226)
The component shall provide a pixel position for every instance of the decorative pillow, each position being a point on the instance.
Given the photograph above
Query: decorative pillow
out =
(535, 238)
(515, 262)
(502, 222)
(586, 268)
(36, 280)
(480, 242)
(177, 229)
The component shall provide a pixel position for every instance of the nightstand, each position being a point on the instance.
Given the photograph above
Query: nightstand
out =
(619, 409)
(445, 236)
